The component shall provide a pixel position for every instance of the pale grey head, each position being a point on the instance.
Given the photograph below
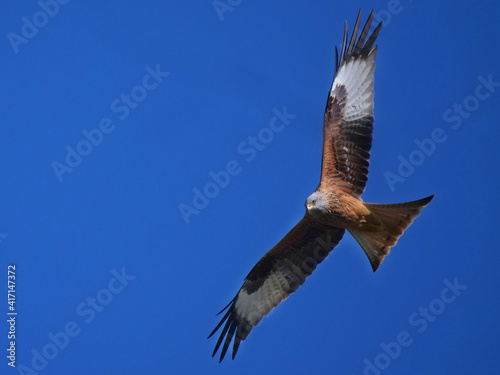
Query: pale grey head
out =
(316, 204)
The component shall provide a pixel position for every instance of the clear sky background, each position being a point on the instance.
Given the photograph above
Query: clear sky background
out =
(113, 112)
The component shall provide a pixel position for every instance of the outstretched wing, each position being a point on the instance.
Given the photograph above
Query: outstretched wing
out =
(348, 124)
(278, 274)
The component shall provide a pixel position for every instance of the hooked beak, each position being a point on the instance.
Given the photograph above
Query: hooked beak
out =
(309, 206)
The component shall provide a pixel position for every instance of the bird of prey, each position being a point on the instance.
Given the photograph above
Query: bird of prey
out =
(335, 206)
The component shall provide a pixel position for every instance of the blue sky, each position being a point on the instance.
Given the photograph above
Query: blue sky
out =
(116, 113)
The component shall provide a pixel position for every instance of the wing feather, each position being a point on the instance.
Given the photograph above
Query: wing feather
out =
(344, 42)
(364, 32)
(354, 34)
(277, 275)
(348, 124)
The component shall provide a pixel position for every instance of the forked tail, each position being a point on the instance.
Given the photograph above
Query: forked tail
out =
(393, 220)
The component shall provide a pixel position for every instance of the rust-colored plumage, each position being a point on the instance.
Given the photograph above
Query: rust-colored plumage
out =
(336, 204)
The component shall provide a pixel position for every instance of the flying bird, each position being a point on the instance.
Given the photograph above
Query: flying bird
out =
(335, 206)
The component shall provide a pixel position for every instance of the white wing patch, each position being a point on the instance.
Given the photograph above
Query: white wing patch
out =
(253, 307)
(357, 76)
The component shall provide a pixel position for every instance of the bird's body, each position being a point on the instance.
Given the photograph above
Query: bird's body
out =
(341, 210)
(335, 206)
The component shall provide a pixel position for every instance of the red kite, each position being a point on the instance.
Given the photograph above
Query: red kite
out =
(336, 204)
